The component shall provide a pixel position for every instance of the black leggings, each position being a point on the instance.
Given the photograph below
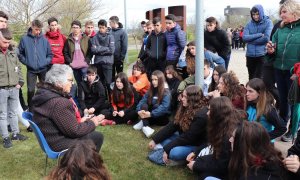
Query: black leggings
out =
(130, 115)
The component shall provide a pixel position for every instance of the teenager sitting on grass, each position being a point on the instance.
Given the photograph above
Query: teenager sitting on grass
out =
(230, 86)
(253, 155)
(223, 118)
(260, 108)
(123, 101)
(181, 136)
(173, 80)
(81, 161)
(154, 106)
(91, 94)
(218, 71)
(139, 79)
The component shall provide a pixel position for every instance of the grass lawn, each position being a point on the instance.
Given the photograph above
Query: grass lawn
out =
(124, 152)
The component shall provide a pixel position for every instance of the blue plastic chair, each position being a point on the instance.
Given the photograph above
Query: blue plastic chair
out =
(42, 141)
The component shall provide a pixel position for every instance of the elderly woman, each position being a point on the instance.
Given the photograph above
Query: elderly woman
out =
(285, 48)
(57, 115)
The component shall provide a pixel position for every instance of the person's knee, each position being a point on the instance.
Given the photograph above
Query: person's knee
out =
(177, 154)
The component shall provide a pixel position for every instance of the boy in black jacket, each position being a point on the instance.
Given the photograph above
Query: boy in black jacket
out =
(91, 94)
(156, 48)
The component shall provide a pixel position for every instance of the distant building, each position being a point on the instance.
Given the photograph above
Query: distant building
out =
(229, 12)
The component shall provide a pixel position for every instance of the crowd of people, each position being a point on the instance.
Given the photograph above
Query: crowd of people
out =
(221, 130)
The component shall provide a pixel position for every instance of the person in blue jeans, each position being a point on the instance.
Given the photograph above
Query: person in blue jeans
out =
(188, 130)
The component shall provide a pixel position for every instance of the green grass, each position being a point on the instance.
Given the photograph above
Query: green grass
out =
(124, 152)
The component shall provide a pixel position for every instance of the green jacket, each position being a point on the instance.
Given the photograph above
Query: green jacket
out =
(185, 83)
(287, 39)
(10, 69)
(69, 49)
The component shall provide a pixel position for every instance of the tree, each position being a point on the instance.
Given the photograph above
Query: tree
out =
(22, 12)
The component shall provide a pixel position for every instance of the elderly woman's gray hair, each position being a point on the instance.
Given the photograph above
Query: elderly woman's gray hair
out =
(58, 74)
(292, 6)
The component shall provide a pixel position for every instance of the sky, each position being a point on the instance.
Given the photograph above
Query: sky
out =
(136, 8)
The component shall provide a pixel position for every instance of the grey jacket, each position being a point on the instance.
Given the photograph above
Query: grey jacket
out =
(103, 47)
(121, 43)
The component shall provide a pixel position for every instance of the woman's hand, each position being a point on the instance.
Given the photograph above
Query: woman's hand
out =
(165, 158)
(270, 47)
(292, 163)
(91, 110)
(141, 113)
(121, 113)
(151, 145)
(216, 93)
(190, 165)
(147, 114)
(115, 113)
(191, 157)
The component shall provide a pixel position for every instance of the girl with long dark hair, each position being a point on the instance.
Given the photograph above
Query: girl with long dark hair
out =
(154, 106)
(222, 120)
(81, 161)
(260, 108)
(123, 100)
(187, 131)
(173, 80)
(253, 155)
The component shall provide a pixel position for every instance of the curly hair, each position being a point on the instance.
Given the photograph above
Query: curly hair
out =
(252, 148)
(196, 100)
(222, 120)
(81, 160)
(233, 89)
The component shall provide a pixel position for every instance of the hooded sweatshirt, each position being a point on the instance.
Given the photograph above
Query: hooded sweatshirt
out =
(57, 41)
(257, 34)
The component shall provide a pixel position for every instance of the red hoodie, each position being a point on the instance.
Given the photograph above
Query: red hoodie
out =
(56, 41)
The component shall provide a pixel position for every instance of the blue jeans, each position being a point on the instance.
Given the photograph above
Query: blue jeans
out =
(9, 104)
(284, 83)
(79, 74)
(214, 58)
(178, 153)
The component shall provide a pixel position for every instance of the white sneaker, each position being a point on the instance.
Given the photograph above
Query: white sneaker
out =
(148, 131)
(139, 125)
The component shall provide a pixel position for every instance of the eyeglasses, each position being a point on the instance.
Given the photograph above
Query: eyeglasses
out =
(70, 80)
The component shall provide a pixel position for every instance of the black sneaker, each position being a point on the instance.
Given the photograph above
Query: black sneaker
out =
(18, 137)
(7, 143)
(29, 129)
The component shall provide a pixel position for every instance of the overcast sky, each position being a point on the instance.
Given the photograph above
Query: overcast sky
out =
(136, 8)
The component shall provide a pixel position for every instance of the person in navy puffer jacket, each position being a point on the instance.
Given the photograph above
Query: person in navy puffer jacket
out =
(256, 35)
(35, 52)
(176, 40)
